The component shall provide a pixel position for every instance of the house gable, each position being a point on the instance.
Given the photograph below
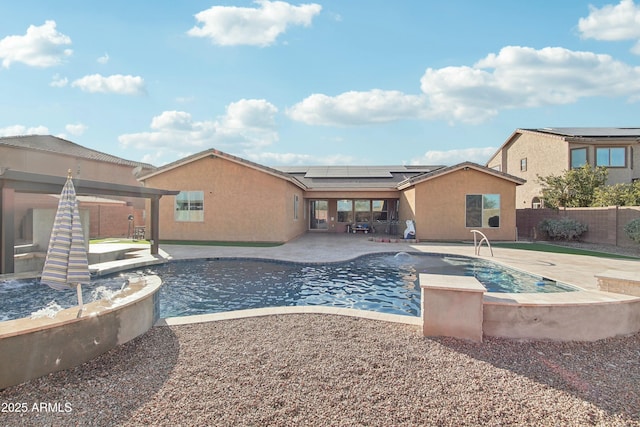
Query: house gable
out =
(437, 201)
(212, 153)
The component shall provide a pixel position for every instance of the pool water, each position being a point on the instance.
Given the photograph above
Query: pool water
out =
(22, 297)
(385, 283)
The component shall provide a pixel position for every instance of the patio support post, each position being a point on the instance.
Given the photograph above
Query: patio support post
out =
(155, 224)
(7, 233)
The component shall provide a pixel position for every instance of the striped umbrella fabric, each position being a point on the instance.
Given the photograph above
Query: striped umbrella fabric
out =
(66, 265)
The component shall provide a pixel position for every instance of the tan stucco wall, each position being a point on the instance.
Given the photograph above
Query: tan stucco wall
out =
(58, 164)
(55, 164)
(545, 155)
(439, 205)
(240, 203)
(407, 207)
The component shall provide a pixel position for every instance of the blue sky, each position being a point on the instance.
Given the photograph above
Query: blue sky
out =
(329, 82)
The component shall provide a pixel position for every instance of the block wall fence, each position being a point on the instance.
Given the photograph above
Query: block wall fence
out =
(605, 225)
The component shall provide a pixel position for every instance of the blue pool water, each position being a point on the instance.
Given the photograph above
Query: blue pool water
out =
(385, 283)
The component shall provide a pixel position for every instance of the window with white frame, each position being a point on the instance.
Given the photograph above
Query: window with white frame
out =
(483, 210)
(189, 206)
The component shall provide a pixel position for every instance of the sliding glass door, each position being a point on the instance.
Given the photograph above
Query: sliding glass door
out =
(318, 215)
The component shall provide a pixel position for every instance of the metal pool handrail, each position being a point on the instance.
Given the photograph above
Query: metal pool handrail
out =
(477, 245)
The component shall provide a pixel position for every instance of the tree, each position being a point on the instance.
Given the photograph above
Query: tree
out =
(618, 195)
(574, 188)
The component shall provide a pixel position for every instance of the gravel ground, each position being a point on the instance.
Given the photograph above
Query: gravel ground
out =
(294, 370)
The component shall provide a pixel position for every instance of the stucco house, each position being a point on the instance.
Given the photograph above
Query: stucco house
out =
(54, 156)
(529, 153)
(227, 198)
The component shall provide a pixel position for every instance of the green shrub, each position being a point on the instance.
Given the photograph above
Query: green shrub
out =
(562, 229)
(633, 230)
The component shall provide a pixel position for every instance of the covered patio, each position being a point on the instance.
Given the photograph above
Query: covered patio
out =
(12, 182)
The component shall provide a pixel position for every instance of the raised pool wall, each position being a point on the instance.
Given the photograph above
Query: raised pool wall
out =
(450, 307)
(562, 322)
(31, 348)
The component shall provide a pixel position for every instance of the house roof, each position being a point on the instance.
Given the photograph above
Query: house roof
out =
(53, 144)
(584, 135)
(464, 166)
(605, 132)
(357, 178)
(217, 153)
(343, 178)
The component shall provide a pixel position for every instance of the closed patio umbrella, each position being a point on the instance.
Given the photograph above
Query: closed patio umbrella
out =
(66, 265)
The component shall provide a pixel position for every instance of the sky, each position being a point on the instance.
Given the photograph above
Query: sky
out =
(359, 82)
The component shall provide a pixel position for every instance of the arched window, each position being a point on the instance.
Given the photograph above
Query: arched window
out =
(536, 203)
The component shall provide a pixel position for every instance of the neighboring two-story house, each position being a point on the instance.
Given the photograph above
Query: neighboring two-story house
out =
(531, 153)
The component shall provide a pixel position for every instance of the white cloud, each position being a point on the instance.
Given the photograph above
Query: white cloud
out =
(248, 124)
(357, 108)
(76, 129)
(23, 130)
(103, 59)
(117, 83)
(58, 81)
(231, 25)
(515, 78)
(452, 157)
(41, 46)
(613, 23)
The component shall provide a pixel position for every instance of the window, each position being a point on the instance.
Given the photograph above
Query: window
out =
(611, 157)
(523, 165)
(363, 210)
(295, 206)
(345, 211)
(578, 157)
(536, 203)
(190, 206)
(483, 210)
(379, 210)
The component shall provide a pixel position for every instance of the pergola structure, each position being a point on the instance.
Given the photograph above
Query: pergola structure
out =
(12, 182)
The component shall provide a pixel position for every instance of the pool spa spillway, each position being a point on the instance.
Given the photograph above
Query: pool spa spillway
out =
(53, 340)
(387, 283)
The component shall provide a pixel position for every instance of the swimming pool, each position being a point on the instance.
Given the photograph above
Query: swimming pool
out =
(385, 283)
